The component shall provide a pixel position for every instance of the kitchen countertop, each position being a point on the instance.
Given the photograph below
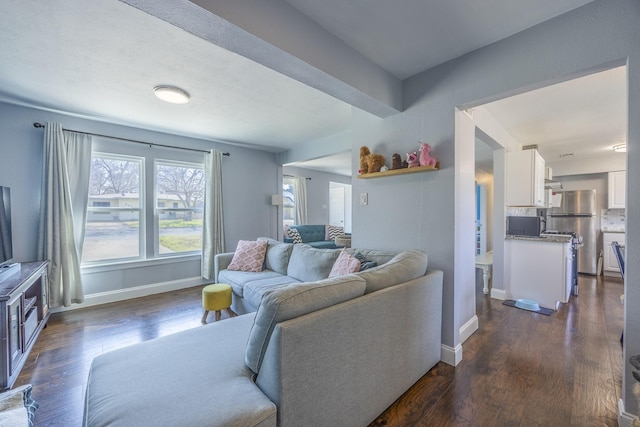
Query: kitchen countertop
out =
(559, 238)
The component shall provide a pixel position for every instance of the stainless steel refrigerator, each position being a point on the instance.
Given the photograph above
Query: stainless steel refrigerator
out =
(577, 213)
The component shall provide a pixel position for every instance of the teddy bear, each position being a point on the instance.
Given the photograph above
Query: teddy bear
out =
(396, 161)
(412, 160)
(370, 162)
(426, 159)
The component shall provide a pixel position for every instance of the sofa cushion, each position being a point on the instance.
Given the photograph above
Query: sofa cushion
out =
(293, 301)
(196, 377)
(309, 264)
(345, 264)
(294, 236)
(277, 257)
(325, 244)
(254, 290)
(249, 256)
(405, 266)
(334, 231)
(238, 279)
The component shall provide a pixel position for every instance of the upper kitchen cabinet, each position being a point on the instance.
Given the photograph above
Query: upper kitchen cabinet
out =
(617, 188)
(525, 178)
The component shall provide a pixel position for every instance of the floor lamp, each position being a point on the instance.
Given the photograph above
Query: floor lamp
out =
(276, 200)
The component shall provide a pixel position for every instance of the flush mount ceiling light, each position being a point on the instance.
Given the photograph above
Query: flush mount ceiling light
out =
(171, 94)
(620, 148)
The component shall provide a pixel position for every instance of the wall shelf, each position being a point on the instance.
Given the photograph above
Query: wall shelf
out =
(404, 171)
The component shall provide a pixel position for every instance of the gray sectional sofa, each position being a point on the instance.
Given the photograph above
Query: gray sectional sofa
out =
(329, 351)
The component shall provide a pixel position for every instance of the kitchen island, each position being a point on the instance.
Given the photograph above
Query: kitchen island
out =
(539, 269)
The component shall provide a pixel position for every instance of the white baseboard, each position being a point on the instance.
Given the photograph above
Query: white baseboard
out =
(449, 355)
(468, 329)
(135, 292)
(625, 419)
(500, 294)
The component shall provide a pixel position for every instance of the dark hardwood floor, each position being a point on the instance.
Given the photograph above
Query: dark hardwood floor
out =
(519, 368)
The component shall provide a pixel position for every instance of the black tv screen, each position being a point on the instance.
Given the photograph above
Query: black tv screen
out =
(6, 246)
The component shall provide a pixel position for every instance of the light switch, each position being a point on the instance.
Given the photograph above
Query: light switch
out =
(364, 199)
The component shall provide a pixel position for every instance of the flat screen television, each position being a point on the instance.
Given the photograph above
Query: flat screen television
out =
(6, 244)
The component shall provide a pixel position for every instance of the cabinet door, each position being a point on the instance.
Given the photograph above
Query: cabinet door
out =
(610, 262)
(14, 321)
(617, 189)
(525, 179)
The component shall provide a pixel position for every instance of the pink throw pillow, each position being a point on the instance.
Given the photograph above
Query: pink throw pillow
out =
(249, 256)
(345, 264)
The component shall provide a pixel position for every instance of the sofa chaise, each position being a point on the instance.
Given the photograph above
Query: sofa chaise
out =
(330, 352)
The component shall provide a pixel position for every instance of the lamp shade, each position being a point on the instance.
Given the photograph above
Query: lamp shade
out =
(276, 199)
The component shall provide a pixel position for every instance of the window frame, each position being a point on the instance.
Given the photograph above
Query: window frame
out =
(147, 255)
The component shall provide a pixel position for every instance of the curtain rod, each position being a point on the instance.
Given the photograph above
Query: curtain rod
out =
(39, 125)
(293, 176)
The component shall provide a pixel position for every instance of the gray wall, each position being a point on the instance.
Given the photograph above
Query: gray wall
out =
(317, 191)
(249, 177)
(418, 210)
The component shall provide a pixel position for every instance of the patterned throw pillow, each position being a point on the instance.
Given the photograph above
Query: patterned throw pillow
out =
(334, 231)
(249, 256)
(295, 235)
(345, 264)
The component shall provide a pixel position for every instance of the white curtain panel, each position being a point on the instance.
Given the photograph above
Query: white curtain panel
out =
(301, 199)
(213, 227)
(63, 211)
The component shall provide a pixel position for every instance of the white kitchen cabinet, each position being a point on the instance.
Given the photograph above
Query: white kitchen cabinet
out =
(539, 270)
(525, 178)
(610, 262)
(617, 189)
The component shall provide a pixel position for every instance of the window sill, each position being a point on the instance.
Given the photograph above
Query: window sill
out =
(138, 263)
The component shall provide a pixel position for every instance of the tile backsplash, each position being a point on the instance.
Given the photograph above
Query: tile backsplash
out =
(612, 220)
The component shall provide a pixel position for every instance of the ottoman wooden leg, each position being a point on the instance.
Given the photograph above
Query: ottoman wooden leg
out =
(231, 313)
(204, 317)
(218, 314)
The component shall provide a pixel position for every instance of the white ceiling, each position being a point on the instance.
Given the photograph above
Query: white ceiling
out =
(101, 60)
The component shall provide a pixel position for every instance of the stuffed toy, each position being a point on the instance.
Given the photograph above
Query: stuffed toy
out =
(425, 157)
(369, 162)
(412, 160)
(396, 161)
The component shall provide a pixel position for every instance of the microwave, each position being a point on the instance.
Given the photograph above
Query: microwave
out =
(524, 226)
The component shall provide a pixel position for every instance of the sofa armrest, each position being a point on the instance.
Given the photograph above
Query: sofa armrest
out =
(221, 262)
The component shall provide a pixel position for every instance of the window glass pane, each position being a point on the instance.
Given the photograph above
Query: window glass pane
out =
(181, 187)
(179, 231)
(289, 204)
(111, 235)
(114, 209)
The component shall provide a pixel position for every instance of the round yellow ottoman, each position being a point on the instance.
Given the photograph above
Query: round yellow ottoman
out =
(216, 298)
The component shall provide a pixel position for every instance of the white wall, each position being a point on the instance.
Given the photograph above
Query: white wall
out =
(317, 191)
(418, 210)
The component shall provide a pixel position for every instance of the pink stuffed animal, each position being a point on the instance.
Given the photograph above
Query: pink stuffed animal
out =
(412, 159)
(425, 157)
